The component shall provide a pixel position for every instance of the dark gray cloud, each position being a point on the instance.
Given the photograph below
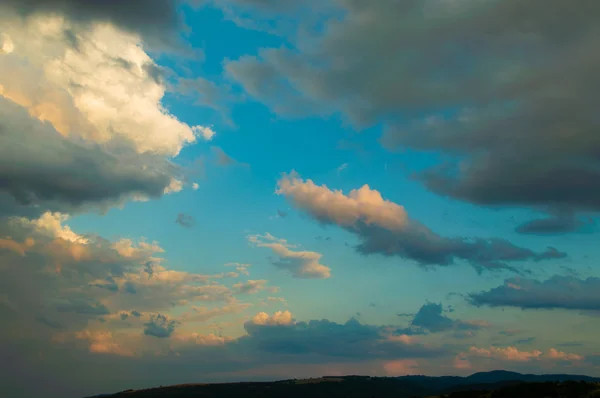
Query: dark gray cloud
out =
(156, 20)
(430, 319)
(553, 225)
(160, 326)
(558, 292)
(351, 340)
(505, 87)
(40, 170)
(185, 220)
(82, 306)
(428, 248)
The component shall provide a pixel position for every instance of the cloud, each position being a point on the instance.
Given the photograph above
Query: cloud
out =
(278, 318)
(275, 300)
(513, 354)
(558, 292)
(160, 326)
(384, 227)
(501, 85)
(430, 319)
(75, 140)
(203, 314)
(85, 281)
(557, 224)
(250, 287)
(185, 220)
(69, 176)
(225, 160)
(102, 342)
(280, 334)
(157, 20)
(301, 264)
(241, 268)
(206, 93)
(120, 103)
(82, 306)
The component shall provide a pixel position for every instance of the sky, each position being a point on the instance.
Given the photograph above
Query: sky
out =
(225, 190)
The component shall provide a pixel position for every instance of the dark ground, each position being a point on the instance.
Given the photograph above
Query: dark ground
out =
(497, 384)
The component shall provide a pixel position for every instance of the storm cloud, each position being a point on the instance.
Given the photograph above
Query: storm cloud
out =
(503, 88)
(157, 20)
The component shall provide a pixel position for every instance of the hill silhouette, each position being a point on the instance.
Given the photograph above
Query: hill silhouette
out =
(495, 384)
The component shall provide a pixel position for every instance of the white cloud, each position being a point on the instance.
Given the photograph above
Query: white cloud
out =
(6, 44)
(51, 225)
(363, 204)
(46, 68)
(301, 264)
(278, 318)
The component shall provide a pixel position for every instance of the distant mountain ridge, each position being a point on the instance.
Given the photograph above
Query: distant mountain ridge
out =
(354, 386)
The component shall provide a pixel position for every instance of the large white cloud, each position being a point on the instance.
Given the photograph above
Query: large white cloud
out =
(96, 83)
(83, 119)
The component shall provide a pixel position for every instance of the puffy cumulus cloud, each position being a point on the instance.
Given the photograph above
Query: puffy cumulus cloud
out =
(74, 139)
(301, 264)
(384, 227)
(42, 170)
(156, 20)
(54, 278)
(120, 102)
(51, 225)
(327, 206)
(160, 326)
(504, 85)
(513, 354)
(557, 292)
(278, 318)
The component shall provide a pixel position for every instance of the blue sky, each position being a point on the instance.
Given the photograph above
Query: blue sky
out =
(415, 168)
